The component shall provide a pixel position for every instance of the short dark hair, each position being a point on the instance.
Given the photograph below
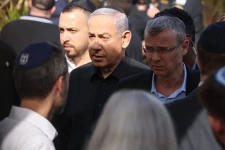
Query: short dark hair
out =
(183, 16)
(39, 81)
(43, 4)
(209, 62)
(71, 7)
(212, 95)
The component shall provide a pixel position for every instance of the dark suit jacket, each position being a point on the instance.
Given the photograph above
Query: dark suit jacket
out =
(21, 33)
(191, 124)
(7, 86)
(143, 81)
(88, 92)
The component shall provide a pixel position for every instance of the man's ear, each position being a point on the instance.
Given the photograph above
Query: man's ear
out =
(30, 4)
(216, 124)
(59, 85)
(126, 37)
(52, 10)
(185, 46)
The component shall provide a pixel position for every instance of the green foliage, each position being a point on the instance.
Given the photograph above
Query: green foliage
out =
(11, 12)
(213, 10)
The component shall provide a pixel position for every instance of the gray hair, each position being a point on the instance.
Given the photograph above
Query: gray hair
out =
(120, 18)
(163, 23)
(133, 120)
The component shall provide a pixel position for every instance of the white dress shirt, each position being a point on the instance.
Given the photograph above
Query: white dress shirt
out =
(25, 129)
(71, 64)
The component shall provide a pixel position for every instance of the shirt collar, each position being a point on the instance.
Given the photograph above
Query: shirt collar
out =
(182, 88)
(34, 18)
(119, 72)
(27, 115)
(70, 63)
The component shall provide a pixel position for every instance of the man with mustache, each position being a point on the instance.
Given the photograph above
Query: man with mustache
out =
(93, 83)
(74, 32)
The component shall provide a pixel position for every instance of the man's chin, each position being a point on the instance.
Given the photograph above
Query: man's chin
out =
(69, 55)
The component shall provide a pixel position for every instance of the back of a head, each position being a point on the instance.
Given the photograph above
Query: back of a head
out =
(212, 94)
(133, 120)
(163, 23)
(121, 20)
(43, 4)
(211, 48)
(86, 5)
(37, 68)
(183, 16)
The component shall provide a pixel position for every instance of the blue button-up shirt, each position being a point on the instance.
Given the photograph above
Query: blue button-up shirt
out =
(179, 93)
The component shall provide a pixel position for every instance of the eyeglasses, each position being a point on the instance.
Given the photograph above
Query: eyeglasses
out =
(151, 50)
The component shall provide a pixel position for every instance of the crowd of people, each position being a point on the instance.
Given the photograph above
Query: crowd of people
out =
(111, 78)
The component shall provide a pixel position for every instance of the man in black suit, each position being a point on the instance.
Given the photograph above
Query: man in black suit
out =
(36, 27)
(93, 83)
(190, 119)
(165, 46)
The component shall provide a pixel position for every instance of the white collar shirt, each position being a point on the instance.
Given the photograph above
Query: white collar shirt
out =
(178, 94)
(71, 64)
(25, 129)
(38, 19)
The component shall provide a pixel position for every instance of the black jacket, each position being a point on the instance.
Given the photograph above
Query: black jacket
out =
(88, 93)
(191, 124)
(143, 81)
(21, 33)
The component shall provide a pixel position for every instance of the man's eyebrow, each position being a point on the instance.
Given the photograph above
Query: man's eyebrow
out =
(99, 34)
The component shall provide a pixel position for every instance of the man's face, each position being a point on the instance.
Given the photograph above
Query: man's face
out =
(74, 32)
(168, 62)
(105, 45)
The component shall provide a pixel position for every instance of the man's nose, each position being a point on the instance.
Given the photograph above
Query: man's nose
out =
(155, 55)
(65, 36)
(95, 45)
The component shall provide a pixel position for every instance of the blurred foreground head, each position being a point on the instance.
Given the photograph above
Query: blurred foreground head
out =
(212, 95)
(133, 120)
(41, 75)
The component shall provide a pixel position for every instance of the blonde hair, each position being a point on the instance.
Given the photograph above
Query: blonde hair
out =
(133, 120)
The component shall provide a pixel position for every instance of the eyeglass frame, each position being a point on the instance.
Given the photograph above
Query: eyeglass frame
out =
(168, 49)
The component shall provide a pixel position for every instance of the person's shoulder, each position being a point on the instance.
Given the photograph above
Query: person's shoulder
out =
(10, 25)
(38, 143)
(132, 81)
(84, 68)
(137, 65)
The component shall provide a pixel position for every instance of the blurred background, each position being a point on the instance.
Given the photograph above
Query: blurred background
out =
(13, 9)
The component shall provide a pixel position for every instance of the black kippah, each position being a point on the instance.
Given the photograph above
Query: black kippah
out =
(85, 4)
(43, 4)
(34, 55)
(212, 38)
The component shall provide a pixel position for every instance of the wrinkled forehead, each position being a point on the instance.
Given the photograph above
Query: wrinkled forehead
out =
(102, 19)
(165, 37)
(102, 23)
